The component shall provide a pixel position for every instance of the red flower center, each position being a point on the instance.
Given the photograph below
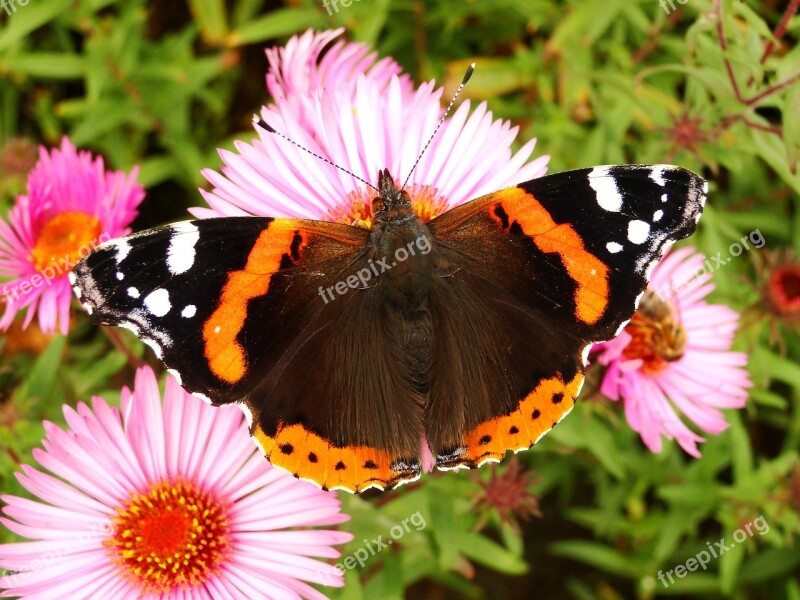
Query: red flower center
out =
(357, 209)
(172, 537)
(69, 234)
(784, 289)
(658, 336)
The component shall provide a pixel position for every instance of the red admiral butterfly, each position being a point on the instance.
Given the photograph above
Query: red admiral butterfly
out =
(356, 353)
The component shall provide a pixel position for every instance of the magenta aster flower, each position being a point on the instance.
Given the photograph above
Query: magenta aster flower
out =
(73, 205)
(674, 356)
(164, 501)
(364, 120)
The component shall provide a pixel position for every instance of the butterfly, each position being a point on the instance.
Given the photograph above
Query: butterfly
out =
(361, 356)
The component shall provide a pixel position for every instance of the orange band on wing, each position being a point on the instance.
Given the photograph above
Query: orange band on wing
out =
(307, 456)
(537, 413)
(226, 357)
(589, 272)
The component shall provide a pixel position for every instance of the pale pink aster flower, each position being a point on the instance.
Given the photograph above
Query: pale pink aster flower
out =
(364, 124)
(158, 501)
(674, 357)
(73, 204)
(311, 62)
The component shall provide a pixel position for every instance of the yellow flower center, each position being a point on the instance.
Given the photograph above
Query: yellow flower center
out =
(658, 336)
(172, 537)
(357, 208)
(64, 235)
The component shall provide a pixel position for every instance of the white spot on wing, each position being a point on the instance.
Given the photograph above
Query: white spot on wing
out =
(181, 253)
(663, 197)
(133, 292)
(154, 345)
(657, 175)
(608, 196)
(657, 215)
(130, 327)
(613, 247)
(123, 249)
(248, 414)
(157, 302)
(207, 400)
(176, 375)
(189, 311)
(120, 276)
(638, 231)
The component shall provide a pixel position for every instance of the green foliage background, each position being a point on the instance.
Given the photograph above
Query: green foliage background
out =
(164, 84)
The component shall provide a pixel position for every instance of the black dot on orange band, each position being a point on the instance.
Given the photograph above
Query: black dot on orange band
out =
(513, 430)
(485, 440)
(558, 397)
(286, 448)
(312, 457)
(295, 247)
(370, 465)
(340, 466)
(536, 414)
(502, 215)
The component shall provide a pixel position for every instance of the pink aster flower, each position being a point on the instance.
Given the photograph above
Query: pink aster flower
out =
(674, 357)
(158, 501)
(311, 62)
(73, 204)
(364, 122)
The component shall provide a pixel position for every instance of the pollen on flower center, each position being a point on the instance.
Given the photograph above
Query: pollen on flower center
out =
(173, 536)
(64, 235)
(658, 337)
(426, 200)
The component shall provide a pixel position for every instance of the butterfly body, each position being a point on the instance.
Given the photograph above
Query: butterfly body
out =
(362, 355)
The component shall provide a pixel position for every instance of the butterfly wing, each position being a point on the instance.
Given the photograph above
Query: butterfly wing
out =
(544, 270)
(245, 310)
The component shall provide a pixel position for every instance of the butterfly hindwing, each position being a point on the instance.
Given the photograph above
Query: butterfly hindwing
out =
(556, 264)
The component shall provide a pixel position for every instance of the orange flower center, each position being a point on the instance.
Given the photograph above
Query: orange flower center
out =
(172, 537)
(357, 209)
(65, 235)
(658, 336)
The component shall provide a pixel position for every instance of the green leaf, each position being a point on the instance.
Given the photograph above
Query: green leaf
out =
(600, 556)
(211, 17)
(486, 552)
(39, 382)
(49, 65)
(277, 23)
(26, 19)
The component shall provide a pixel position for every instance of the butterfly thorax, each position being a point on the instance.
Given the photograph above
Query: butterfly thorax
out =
(402, 245)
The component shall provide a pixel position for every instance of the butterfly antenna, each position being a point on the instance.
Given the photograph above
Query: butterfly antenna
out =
(464, 80)
(267, 127)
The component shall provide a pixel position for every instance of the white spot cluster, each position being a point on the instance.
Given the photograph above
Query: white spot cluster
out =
(139, 320)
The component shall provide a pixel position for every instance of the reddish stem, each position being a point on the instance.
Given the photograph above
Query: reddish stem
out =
(117, 342)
